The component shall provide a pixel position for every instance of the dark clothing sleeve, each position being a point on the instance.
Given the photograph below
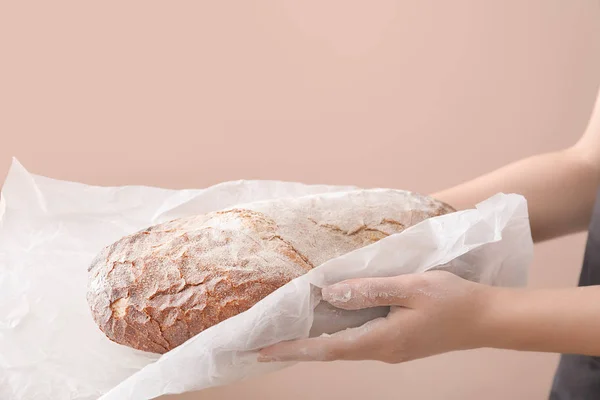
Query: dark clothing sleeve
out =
(577, 376)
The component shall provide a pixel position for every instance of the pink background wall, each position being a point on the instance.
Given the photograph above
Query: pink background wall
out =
(411, 95)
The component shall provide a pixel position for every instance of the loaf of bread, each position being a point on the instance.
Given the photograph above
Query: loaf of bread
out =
(156, 288)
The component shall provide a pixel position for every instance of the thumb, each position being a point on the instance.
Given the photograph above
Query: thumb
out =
(357, 294)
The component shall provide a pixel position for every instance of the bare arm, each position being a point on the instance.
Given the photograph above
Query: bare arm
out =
(544, 320)
(437, 312)
(560, 187)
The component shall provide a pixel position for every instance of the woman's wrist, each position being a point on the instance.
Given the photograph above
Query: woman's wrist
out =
(546, 320)
(505, 324)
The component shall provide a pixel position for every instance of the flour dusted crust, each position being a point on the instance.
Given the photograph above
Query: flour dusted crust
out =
(156, 288)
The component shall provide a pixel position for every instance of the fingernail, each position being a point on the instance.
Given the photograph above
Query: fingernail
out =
(338, 293)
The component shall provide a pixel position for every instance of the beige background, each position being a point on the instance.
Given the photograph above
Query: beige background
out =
(405, 94)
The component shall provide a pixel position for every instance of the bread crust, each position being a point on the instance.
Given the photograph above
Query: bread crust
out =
(158, 287)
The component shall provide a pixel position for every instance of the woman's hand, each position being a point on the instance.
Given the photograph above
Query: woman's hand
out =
(432, 313)
(437, 312)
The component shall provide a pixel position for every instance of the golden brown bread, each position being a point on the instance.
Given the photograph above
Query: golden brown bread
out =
(156, 288)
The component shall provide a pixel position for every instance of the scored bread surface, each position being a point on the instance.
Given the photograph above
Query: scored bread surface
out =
(156, 288)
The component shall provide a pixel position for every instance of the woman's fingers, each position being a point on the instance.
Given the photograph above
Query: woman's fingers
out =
(357, 294)
(351, 344)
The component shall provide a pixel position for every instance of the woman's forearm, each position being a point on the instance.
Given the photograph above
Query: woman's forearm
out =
(551, 320)
(560, 189)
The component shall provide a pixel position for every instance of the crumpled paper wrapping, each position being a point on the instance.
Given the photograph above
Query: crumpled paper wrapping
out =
(50, 230)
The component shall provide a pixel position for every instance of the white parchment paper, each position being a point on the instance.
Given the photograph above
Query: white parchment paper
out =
(50, 230)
